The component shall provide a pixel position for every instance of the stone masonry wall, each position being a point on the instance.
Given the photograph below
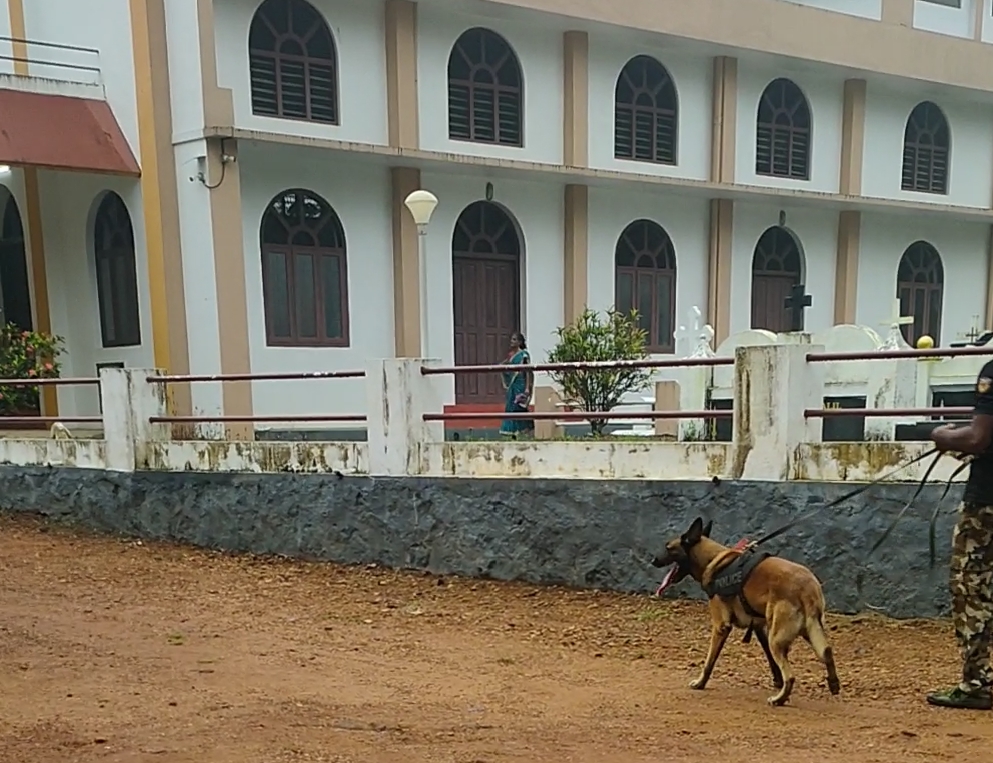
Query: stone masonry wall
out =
(583, 533)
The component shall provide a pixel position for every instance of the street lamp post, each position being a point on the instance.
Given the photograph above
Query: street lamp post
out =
(421, 205)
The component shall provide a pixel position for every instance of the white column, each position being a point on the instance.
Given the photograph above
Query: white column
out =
(129, 401)
(891, 384)
(696, 382)
(694, 385)
(773, 384)
(398, 397)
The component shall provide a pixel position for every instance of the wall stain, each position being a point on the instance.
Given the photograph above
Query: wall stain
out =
(840, 461)
(256, 456)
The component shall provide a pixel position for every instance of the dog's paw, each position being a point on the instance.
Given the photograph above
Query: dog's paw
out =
(698, 683)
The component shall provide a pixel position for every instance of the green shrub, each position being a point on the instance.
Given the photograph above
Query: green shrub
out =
(591, 338)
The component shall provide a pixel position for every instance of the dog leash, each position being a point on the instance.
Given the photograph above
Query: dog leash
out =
(743, 544)
(851, 494)
(965, 460)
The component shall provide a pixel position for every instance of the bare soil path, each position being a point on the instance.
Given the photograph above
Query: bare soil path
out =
(127, 652)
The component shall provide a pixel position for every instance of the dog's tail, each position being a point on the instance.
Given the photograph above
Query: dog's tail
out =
(817, 636)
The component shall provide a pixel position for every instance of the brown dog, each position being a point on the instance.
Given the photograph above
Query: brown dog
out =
(777, 599)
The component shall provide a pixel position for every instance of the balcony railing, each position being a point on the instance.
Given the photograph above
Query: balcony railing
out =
(50, 60)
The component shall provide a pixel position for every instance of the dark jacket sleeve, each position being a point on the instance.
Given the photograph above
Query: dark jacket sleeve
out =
(984, 391)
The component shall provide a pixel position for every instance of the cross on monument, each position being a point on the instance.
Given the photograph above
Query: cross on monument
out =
(684, 337)
(796, 303)
(973, 333)
(896, 321)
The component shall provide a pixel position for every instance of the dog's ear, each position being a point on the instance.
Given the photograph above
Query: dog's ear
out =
(695, 532)
(707, 528)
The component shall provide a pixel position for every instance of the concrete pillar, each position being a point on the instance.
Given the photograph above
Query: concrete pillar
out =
(846, 270)
(667, 399)
(576, 255)
(898, 12)
(129, 401)
(693, 389)
(407, 305)
(773, 384)
(724, 102)
(398, 397)
(576, 99)
(852, 137)
(719, 265)
(891, 384)
(401, 73)
(696, 383)
(546, 400)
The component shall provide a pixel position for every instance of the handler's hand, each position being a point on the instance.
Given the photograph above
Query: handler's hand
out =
(939, 436)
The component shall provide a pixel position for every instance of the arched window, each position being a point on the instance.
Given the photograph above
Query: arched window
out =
(926, 150)
(304, 275)
(117, 278)
(776, 269)
(645, 280)
(920, 288)
(782, 140)
(294, 65)
(645, 112)
(485, 90)
(15, 293)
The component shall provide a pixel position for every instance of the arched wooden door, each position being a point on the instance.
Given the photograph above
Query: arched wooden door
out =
(15, 293)
(775, 271)
(920, 288)
(486, 296)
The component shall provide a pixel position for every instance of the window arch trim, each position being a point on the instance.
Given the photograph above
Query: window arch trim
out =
(778, 264)
(301, 85)
(486, 112)
(645, 273)
(927, 150)
(304, 263)
(784, 126)
(115, 265)
(771, 256)
(643, 131)
(921, 290)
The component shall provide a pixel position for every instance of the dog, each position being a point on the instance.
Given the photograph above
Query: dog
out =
(775, 598)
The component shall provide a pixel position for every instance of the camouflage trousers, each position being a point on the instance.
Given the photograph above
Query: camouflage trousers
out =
(972, 598)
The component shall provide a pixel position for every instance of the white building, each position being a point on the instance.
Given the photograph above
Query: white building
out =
(216, 186)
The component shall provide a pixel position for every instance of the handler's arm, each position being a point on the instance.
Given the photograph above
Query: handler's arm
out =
(977, 435)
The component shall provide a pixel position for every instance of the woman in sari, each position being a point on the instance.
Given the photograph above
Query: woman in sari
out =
(518, 386)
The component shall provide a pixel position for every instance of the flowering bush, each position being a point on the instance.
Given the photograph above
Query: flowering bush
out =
(26, 355)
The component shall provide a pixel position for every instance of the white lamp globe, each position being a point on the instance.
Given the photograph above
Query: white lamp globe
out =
(421, 205)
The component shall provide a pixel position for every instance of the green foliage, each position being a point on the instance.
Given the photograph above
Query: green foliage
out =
(26, 355)
(591, 338)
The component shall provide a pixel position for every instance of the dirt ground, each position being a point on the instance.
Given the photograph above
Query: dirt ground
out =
(128, 652)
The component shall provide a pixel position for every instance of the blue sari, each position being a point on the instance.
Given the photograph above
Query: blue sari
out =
(516, 399)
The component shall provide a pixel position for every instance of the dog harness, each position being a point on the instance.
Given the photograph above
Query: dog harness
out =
(730, 581)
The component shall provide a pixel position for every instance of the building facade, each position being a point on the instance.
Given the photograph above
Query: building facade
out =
(216, 186)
